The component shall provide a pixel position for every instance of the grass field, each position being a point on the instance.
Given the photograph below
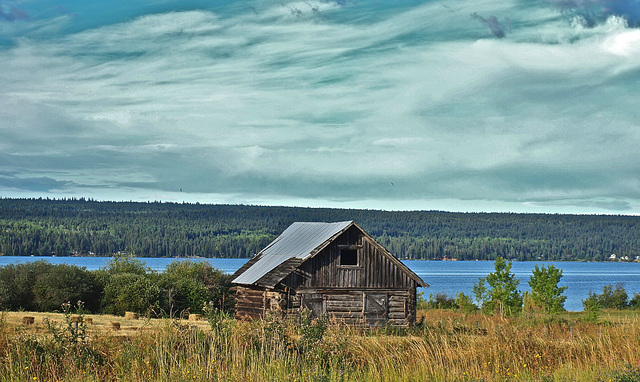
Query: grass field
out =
(446, 346)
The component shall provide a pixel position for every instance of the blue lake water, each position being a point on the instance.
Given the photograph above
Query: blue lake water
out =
(450, 277)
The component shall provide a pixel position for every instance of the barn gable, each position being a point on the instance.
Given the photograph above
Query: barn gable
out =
(328, 268)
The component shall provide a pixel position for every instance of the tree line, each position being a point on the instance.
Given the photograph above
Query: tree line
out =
(124, 285)
(498, 293)
(87, 227)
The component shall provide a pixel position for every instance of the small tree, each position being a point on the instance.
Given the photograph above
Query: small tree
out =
(187, 285)
(502, 293)
(591, 307)
(545, 291)
(614, 298)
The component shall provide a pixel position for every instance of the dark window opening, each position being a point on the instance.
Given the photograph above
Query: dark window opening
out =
(349, 257)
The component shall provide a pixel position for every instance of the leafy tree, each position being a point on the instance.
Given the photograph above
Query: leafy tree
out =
(188, 285)
(56, 284)
(129, 286)
(545, 291)
(130, 292)
(126, 264)
(465, 303)
(16, 291)
(634, 302)
(42, 286)
(591, 307)
(502, 293)
(613, 298)
(441, 301)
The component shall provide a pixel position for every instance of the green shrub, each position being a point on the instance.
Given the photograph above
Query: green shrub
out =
(441, 301)
(187, 286)
(42, 286)
(635, 301)
(591, 307)
(613, 298)
(465, 303)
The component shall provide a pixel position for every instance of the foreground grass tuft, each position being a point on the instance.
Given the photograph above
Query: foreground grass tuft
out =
(446, 346)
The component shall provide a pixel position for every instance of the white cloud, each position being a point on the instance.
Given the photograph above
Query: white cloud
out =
(331, 104)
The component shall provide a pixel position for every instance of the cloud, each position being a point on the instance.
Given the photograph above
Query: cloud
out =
(334, 105)
(10, 12)
(597, 11)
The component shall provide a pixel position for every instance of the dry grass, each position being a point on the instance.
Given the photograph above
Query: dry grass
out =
(448, 346)
(101, 323)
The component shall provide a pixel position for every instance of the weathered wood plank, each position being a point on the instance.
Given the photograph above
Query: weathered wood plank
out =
(331, 309)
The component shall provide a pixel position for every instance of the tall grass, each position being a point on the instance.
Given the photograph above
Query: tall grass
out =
(446, 346)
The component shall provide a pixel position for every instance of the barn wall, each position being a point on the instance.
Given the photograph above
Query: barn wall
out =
(376, 307)
(375, 292)
(374, 269)
(255, 302)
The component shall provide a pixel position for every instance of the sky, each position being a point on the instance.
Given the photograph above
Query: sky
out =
(465, 105)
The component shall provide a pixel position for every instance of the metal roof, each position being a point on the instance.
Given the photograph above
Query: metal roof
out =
(299, 240)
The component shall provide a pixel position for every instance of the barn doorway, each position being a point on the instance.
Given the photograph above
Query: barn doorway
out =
(315, 303)
(375, 308)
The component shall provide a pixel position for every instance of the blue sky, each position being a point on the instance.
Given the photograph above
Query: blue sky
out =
(472, 105)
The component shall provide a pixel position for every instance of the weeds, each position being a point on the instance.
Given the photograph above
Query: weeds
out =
(448, 346)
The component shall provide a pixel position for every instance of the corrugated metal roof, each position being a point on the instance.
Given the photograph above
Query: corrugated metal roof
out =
(299, 240)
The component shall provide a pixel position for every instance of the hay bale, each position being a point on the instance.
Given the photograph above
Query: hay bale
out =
(28, 320)
(131, 316)
(88, 320)
(195, 317)
(76, 319)
(115, 325)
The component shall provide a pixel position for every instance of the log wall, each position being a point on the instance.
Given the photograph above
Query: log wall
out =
(376, 291)
(374, 269)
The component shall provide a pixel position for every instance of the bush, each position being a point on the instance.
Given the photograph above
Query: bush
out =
(591, 306)
(188, 286)
(635, 301)
(441, 301)
(465, 303)
(130, 292)
(611, 298)
(42, 286)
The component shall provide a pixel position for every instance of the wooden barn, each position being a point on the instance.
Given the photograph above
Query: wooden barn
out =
(329, 268)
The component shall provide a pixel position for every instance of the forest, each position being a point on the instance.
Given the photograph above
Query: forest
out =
(85, 227)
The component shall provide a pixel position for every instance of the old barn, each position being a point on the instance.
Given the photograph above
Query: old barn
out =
(329, 268)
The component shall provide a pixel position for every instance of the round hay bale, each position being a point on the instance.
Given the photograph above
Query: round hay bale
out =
(131, 316)
(195, 317)
(76, 319)
(115, 325)
(28, 320)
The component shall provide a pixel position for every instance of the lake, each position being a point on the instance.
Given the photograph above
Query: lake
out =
(450, 277)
